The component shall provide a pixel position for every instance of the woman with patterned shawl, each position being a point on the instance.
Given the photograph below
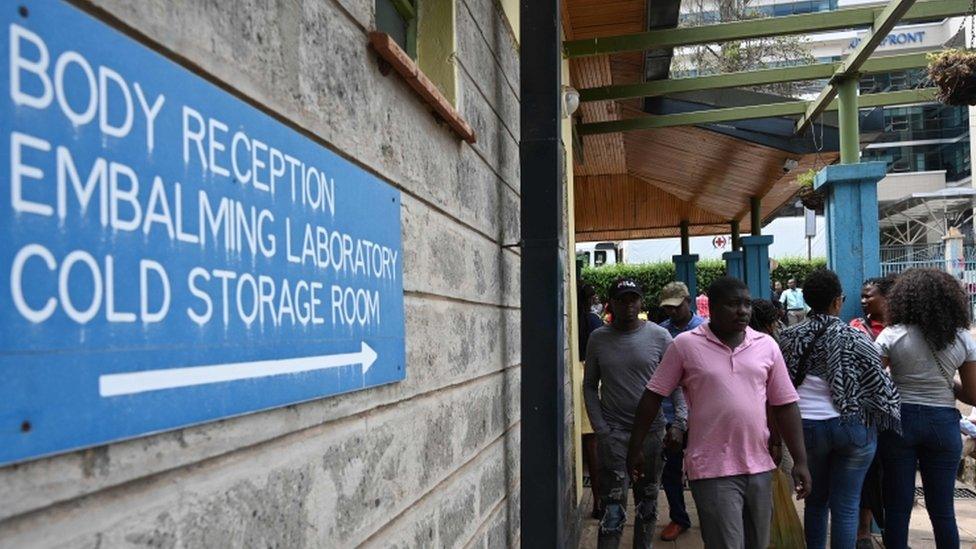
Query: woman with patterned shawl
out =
(845, 399)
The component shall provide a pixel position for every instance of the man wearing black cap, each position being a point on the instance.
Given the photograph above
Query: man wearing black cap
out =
(620, 359)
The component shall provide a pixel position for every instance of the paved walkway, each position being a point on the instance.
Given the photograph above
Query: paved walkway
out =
(920, 536)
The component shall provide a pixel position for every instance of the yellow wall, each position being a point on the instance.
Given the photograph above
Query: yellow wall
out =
(511, 10)
(577, 367)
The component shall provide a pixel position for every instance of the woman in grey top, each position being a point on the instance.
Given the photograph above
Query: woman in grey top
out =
(926, 343)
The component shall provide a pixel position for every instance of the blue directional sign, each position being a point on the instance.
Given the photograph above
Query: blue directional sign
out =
(169, 254)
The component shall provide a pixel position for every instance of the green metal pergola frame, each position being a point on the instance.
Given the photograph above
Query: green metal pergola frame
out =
(769, 110)
(777, 75)
(844, 82)
(759, 28)
(840, 93)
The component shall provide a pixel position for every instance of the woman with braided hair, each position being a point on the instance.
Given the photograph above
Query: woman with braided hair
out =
(874, 305)
(926, 342)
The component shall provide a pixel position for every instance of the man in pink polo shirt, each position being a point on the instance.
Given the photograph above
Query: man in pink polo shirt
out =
(729, 374)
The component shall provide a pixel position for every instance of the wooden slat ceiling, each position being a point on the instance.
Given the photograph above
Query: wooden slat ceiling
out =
(595, 18)
(623, 206)
(641, 184)
(603, 154)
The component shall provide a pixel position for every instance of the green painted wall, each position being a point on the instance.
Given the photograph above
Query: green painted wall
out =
(436, 45)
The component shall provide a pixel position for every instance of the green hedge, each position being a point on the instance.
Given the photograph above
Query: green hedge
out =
(653, 276)
(796, 267)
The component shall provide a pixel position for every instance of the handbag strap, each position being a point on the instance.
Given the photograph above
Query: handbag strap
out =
(947, 373)
(801, 370)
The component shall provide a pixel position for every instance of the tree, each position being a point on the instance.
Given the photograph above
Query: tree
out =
(740, 55)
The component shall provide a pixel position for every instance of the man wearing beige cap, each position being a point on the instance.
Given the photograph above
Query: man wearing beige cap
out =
(676, 302)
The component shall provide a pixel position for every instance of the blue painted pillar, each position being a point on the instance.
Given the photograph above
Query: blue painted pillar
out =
(756, 250)
(735, 264)
(685, 266)
(852, 226)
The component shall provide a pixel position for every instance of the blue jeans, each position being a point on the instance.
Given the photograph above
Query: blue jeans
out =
(672, 479)
(929, 443)
(616, 482)
(673, 483)
(839, 454)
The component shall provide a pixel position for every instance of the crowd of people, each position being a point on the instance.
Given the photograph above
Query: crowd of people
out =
(860, 407)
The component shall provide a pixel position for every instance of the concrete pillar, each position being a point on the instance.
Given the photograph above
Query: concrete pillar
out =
(685, 267)
(853, 250)
(756, 263)
(735, 264)
(955, 257)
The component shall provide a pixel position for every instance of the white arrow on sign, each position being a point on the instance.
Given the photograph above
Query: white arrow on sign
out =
(154, 380)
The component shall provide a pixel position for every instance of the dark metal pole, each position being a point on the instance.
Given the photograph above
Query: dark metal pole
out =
(755, 215)
(736, 243)
(544, 491)
(685, 238)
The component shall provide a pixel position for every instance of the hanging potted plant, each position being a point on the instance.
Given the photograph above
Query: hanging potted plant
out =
(954, 74)
(811, 199)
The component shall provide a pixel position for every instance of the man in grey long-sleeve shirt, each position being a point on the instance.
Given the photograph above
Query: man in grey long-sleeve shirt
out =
(620, 359)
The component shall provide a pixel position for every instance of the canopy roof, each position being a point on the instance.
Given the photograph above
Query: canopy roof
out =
(642, 184)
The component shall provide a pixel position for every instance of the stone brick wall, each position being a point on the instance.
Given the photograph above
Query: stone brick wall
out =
(431, 461)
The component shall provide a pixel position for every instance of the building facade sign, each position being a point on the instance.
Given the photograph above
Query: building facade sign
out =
(896, 39)
(169, 254)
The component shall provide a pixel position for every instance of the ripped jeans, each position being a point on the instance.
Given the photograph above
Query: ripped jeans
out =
(616, 481)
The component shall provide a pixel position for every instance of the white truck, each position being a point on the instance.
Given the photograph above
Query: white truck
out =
(597, 254)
